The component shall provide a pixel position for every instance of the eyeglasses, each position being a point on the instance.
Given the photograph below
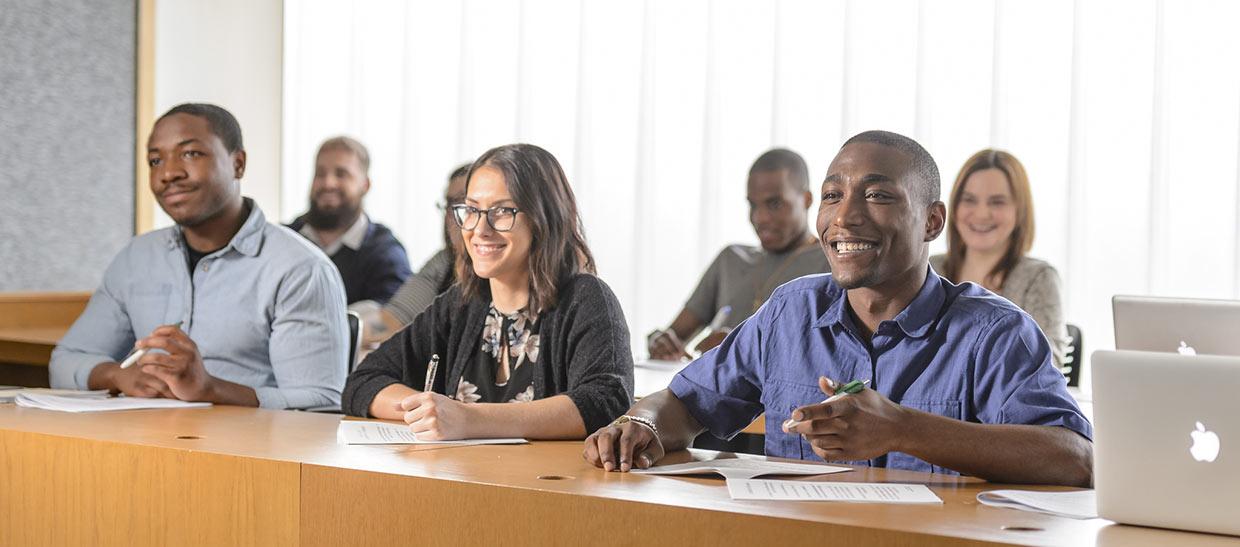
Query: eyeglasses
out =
(501, 219)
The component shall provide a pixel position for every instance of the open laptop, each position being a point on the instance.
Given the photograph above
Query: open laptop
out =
(1188, 326)
(1167, 440)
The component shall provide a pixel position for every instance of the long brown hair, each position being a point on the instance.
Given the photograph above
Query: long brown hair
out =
(1021, 239)
(558, 248)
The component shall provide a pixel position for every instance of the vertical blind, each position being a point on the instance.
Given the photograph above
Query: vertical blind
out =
(1125, 113)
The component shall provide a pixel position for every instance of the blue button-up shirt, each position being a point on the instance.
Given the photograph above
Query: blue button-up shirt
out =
(957, 350)
(267, 311)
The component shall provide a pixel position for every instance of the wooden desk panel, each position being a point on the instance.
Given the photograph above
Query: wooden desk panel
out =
(277, 477)
(41, 309)
(30, 326)
(420, 500)
(73, 491)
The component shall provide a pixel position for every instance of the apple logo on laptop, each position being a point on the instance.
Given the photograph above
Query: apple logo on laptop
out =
(1205, 444)
(1186, 349)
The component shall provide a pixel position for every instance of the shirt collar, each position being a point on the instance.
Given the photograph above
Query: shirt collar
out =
(247, 241)
(915, 320)
(351, 238)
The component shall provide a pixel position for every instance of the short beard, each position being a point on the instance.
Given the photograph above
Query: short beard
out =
(334, 219)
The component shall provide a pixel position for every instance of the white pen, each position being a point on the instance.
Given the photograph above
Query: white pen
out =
(138, 353)
(720, 317)
(844, 391)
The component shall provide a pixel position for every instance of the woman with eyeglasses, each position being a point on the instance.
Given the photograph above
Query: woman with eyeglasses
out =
(528, 342)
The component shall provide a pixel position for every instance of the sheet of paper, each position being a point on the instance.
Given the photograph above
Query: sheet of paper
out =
(359, 432)
(8, 393)
(742, 468)
(857, 492)
(1079, 504)
(79, 404)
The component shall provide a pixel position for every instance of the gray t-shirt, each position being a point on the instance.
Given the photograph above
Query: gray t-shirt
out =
(744, 277)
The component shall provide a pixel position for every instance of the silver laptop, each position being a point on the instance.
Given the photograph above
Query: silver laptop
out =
(1167, 440)
(1187, 326)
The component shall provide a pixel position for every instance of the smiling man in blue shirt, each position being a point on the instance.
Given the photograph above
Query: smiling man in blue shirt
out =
(261, 312)
(961, 380)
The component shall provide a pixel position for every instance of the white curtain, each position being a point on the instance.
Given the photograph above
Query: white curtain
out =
(1125, 113)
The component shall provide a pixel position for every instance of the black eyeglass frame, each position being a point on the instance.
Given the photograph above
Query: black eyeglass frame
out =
(461, 213)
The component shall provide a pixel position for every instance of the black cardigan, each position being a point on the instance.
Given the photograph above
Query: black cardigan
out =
(583, 351)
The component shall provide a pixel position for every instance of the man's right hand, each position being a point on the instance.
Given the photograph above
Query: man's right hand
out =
(131, 381)
(621, 447)
(666, 346)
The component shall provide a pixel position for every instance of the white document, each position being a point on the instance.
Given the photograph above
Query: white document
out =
(858, 492)
(79, 404)
(742, 468)
(7, 393)
(1080, 504)
(359, 432)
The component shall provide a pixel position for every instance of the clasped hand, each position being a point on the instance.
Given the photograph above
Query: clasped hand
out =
(176, 371)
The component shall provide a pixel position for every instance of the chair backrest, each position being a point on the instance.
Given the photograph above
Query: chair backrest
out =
(1072, 360)
(355, 339)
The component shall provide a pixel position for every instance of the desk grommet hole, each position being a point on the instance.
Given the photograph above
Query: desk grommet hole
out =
(188, 437)
(1022, 529)
(554, 478)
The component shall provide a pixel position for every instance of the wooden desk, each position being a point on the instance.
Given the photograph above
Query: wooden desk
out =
(31, 324)
(236, 476)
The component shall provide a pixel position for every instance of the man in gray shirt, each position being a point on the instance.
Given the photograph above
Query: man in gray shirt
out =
(742, 277)
(232, 309)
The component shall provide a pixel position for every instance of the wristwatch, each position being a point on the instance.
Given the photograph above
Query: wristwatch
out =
(639, 420)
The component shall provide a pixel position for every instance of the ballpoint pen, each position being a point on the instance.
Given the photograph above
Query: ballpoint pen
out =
(855, 386)
(431, 368)
(138, 353)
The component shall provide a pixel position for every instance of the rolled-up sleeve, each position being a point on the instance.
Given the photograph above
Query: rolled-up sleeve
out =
(1018, 382)
(103, 333)
(723, 388)
(309, 340)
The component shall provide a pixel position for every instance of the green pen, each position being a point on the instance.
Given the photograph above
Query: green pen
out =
(853, 387)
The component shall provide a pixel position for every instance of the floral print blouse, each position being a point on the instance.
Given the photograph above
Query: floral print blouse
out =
(493, 379)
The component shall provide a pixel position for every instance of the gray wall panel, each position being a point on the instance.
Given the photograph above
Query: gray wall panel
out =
(67, 73)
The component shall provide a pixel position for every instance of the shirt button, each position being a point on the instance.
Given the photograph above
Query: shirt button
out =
(206, 267)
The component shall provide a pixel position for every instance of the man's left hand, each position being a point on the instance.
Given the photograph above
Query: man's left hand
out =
(856, 426)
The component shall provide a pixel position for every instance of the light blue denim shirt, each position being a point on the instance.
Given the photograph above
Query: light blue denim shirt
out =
(267, 311)
(957, 351)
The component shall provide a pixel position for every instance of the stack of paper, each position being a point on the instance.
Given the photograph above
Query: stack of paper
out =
(79, 404)
(857, 492)
(359, 432)
(8, 393)
(1079, 504)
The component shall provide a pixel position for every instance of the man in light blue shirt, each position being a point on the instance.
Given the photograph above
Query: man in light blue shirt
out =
(961, 380)
(232, 309)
